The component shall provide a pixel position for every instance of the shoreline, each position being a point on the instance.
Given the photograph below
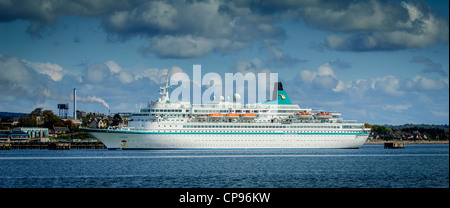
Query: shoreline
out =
(381, 142)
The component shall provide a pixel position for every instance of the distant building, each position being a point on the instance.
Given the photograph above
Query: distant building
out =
(34, 132)
(61, 129)
(81, 114)
(98, 114)
(8, 136)
(96, 123)
(10, 119)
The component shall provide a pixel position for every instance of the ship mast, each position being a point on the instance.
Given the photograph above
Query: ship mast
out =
(164, 92)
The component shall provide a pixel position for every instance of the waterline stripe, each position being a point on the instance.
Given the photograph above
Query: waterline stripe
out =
(219, 156)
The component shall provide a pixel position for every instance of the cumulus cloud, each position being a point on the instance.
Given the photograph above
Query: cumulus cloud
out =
(54, 71)
(373, 98)
(388, 84)
(14, 77)
(181, 46)
(37, 81)
(323, 78)
(421, 83)
(110, 74)
(158, 76)
(391, 28)
(364, 25)
(95, 73)
(198, 28)
(43, 14)
(326, 80)
(113, 66)
(192, 29)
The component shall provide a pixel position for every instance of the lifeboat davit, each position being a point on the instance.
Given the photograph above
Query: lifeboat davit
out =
(303, 115)
(201, 117)
(323, 115)
(232, 115)
(248, 116)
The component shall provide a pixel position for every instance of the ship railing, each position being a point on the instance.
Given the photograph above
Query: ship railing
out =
(227, 105)
(347, 121)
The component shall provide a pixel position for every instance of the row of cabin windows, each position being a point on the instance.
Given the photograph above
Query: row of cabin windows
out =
(237, 126)
(165, 110)
(242, 131)
(230, 111)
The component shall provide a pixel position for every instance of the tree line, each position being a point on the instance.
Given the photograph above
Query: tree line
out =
(432, 132)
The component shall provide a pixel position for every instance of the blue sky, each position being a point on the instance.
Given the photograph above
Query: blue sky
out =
(380, 62)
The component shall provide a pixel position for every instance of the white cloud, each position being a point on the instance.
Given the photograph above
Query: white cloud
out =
(96, 73)
(37, 82)
(325, 70)
(340, 86)
(182, 46)
(388, 84)
(54, 71)
(423, 83)
(396, 108)
(125, 77)
(324, 78)
(158, 76)
(382, 29)
(113, 66)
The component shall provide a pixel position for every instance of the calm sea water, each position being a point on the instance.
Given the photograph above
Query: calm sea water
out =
(372, 166)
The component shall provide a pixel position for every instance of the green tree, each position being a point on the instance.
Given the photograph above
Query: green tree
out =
(51, 119)
(28, 121)
(366, 125)
(381, 129)
(116, 120)
(72, 127)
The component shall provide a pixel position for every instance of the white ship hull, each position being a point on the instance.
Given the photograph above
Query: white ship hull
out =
(129, 140)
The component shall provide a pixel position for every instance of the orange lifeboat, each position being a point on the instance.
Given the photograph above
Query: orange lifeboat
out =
(248, 115)
(323, 115)
(303, 115)
(215, 115)
(232, 115)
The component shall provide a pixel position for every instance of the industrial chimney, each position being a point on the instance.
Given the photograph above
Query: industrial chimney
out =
(75, 103)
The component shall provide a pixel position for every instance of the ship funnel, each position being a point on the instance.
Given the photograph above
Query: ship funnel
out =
(280, 95)
(277, 86)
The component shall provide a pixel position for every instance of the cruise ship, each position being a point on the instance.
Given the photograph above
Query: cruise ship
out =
(164, 125)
